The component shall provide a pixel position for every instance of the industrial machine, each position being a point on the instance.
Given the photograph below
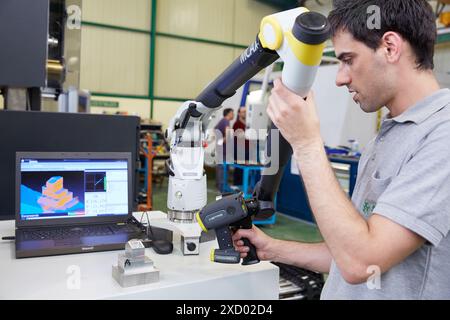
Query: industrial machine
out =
(297, 37)
(40, 56)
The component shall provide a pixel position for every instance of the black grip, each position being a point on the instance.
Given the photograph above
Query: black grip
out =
(252, 256)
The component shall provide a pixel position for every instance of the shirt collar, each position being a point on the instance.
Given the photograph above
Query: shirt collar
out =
(424, 108)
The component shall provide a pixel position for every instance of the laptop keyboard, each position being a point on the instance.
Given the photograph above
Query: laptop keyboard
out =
(77, 232)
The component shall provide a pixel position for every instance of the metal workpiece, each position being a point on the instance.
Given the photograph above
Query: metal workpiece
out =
(134, 267)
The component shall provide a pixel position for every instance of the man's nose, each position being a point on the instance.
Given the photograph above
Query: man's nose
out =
(342, 78)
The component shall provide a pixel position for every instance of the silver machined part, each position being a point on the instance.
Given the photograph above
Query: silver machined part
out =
(181, 216)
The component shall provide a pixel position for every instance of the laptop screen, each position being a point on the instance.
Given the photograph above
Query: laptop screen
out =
(73, 188)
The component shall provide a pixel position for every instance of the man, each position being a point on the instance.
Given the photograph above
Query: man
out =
(240, 121)
(221, 134)
(239, 143)
(391, 241)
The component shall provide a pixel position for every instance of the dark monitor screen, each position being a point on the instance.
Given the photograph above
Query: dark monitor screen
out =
(26, 131)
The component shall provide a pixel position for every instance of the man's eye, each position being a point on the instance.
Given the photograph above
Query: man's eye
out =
(348, 62)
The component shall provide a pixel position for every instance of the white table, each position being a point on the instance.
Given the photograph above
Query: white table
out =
(181, 277)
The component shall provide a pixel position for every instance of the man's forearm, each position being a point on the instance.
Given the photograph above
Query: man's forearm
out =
(345, 232)
(311, 256)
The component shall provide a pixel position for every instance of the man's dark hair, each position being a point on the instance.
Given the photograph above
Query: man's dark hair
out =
(227, 111)
(414, 20)
(239, 111)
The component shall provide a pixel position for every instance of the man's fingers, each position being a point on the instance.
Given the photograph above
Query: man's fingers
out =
(243, 249)
(284, 91)
(289, 97)
(242, 233)
(278, 84)
(277, 108)
(239, 246)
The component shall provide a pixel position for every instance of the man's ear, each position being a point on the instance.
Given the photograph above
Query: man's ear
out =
(393, 45)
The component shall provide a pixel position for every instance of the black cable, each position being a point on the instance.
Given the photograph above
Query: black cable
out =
(148, 224)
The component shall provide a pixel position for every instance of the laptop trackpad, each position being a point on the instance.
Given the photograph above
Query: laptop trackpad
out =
(98, 240)
(68, 242)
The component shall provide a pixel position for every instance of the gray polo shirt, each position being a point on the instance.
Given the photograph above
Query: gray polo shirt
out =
(404, 175)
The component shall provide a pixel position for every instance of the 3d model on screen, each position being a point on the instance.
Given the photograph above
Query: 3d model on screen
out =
(55, 197)
(50, 193)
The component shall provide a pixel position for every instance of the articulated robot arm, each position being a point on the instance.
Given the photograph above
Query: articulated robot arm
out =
(296, 36)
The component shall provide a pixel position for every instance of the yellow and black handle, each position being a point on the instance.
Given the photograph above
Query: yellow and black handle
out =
(225, 216)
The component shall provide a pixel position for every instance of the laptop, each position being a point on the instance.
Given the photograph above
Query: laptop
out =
(73, 203)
